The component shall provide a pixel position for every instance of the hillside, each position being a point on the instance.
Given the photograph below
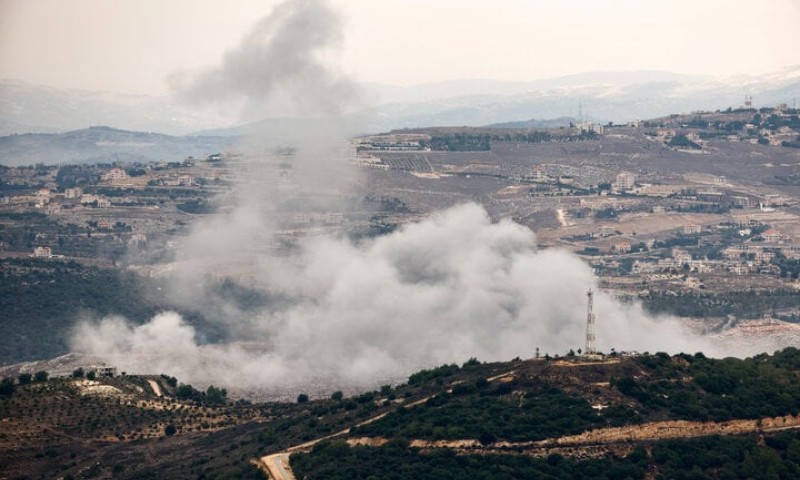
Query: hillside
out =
(604, 96)
(649, 416)
(104, 145)
(42, 299)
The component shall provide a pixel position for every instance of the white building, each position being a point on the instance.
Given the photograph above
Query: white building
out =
(625, 181)
(539, 175)
(114, 175)
(588, 127)
(73, 193)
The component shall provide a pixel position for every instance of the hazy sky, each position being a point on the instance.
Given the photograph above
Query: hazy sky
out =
(134, 45)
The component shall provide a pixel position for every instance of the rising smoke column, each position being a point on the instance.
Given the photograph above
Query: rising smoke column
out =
(445, 289)
(280, 70)
(280, 67)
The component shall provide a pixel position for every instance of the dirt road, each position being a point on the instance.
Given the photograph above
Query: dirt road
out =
(652, 431)
(277, 464)
(156, 388)
(588, 444)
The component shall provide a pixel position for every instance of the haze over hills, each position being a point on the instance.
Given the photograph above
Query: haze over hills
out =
(104, 145)
(29, 108)
(603, 96)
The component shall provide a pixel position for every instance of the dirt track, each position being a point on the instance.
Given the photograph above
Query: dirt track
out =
(156, 387)
(595, 443)
(614, 435)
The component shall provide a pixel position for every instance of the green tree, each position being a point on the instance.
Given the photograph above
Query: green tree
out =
(25, 378)
(487, 438)
(471, 362)
(216, 396)
(41, 376)
(171, 381)
(6, 386)
(302, 398)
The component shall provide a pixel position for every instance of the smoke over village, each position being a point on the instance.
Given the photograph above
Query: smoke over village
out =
(453, 286)
(348, 239)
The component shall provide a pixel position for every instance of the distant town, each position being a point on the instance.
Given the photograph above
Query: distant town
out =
(695, 214)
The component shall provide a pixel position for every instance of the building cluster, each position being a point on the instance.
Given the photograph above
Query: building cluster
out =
(101, 203)
(774, 126)
(395, 142)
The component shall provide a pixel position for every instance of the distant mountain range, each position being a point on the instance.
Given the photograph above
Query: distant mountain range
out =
(104, 145)
(598, 96)
(28, 108)
(534, 124)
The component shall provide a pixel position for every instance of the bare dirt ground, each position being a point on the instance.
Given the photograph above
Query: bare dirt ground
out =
(156, 387)
(595, 440)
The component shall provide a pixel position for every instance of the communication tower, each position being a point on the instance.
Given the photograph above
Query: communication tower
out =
(748, 102)
(589, 350)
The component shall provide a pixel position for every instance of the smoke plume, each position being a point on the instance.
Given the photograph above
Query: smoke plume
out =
(446, 289)
(345, 313)
(281, 67)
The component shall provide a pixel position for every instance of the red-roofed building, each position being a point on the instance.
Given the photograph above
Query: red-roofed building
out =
(622, 247)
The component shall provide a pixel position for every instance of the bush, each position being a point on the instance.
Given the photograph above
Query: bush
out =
(302, 398)
(188, 392)
(216, 396)
(171, 381)
(434, 373)
(41, 376)
(471, 362)
(6, 386)
(487, 438)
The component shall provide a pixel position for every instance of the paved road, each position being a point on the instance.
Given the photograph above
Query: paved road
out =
(277, 464)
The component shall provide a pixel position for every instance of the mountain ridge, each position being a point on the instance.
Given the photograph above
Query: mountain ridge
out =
(603, 96)
(103, 144)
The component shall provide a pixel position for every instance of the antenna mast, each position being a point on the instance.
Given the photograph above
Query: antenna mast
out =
(589, 350)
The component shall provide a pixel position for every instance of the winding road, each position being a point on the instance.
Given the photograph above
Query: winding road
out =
(277, 464)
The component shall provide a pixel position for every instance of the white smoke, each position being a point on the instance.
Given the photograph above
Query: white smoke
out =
(282, 66)
(446, 289)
